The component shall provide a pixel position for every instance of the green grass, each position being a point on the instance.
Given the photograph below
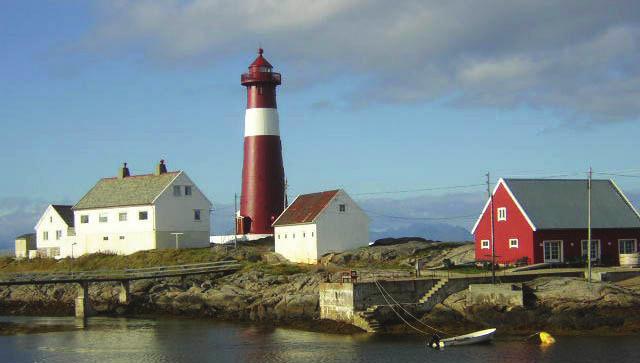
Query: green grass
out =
(105, 261)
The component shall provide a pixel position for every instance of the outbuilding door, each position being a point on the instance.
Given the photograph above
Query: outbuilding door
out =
(552, 251)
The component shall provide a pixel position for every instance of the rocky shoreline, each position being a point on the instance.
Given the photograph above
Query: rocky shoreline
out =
(559, 305)
(272, 292)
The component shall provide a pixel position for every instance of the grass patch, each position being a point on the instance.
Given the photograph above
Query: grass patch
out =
(107, 261)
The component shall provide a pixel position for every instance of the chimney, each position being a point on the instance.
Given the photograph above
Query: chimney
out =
(161, 168)
(123, 172)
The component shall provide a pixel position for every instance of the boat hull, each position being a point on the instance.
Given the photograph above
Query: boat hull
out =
(477, 337)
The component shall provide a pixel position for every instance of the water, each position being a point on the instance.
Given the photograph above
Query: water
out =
(182, 340)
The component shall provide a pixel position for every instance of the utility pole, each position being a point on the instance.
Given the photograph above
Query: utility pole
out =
(493, 245)
(235, 221)
(589, 225)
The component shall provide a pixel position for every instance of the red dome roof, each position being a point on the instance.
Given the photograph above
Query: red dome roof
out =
(260, 61)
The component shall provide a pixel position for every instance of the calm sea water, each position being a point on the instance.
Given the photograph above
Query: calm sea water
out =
(179, 340)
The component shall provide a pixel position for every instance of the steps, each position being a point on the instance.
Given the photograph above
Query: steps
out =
(433, 290)
(366, 320)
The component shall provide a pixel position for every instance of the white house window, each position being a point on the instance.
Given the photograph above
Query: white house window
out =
(143, 215)
(102, 218)
(122, 217)
(84, 218)
(121, 237)
(285, 236)
(484, 244)
(196, 214)
(293, 236)
(105, 238)
(187, 190)
(304, 235)
(278, 236)
(342, 208)
(627, 246)
(50, 219)
(595, 249)
(176, 190)
(513, 243)
(311, 234)
(58, 234)
(45, 235)
(502, 214)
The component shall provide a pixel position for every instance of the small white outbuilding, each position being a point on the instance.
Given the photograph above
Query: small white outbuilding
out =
(319, 223)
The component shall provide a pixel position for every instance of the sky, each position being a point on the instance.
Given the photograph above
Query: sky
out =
(377, 96)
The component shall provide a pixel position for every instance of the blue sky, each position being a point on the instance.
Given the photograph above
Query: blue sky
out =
(373, 98)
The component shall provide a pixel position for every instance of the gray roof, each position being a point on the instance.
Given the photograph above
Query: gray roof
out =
(132, 190)
(562, 203)
(65, 212)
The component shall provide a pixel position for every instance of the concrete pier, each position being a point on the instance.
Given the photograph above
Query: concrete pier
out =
(83, 306)
(124, 296)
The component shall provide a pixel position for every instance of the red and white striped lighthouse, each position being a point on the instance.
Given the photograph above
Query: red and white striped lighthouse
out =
(263, 184)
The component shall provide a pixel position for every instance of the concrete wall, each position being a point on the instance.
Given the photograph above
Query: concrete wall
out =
(613, 276)
(336, 301)
(499, 294)
(366, 294)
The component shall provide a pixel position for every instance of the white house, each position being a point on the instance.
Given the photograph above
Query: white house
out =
(319, 223)
(126, 214)
(55, 232)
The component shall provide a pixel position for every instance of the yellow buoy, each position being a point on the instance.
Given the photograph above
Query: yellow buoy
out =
(546, 338)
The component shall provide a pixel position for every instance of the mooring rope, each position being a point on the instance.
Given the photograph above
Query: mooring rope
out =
(400, 316)
(380, 287)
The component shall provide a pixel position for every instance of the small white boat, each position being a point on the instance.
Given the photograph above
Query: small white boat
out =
(471, 338)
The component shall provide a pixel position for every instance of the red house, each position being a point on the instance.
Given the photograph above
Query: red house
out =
(545, 220)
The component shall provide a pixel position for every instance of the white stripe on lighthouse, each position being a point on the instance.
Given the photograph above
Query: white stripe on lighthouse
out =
(261, 121)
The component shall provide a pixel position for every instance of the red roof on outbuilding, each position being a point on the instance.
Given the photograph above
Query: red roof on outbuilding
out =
(305, 208)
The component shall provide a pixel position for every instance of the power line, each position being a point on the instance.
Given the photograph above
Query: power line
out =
(423, 218)
(421, 190)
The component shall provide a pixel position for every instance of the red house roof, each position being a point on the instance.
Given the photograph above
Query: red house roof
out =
(305, 208)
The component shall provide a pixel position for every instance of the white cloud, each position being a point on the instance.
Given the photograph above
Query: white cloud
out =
(577, 58)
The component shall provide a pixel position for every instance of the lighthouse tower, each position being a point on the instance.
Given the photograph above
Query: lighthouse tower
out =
(263, 184)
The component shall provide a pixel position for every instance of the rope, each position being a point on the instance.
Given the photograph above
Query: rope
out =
(409, 313)
(400, 316)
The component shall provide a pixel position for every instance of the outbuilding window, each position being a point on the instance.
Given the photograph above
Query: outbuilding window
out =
(513, 243)
(196, 214)
(342, 208)
(502, 214)
(176, 191)
(143, 215)
(187, 190)
(484, 244)
(84, 218)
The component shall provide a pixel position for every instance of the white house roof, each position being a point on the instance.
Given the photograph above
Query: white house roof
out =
(127, 191)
